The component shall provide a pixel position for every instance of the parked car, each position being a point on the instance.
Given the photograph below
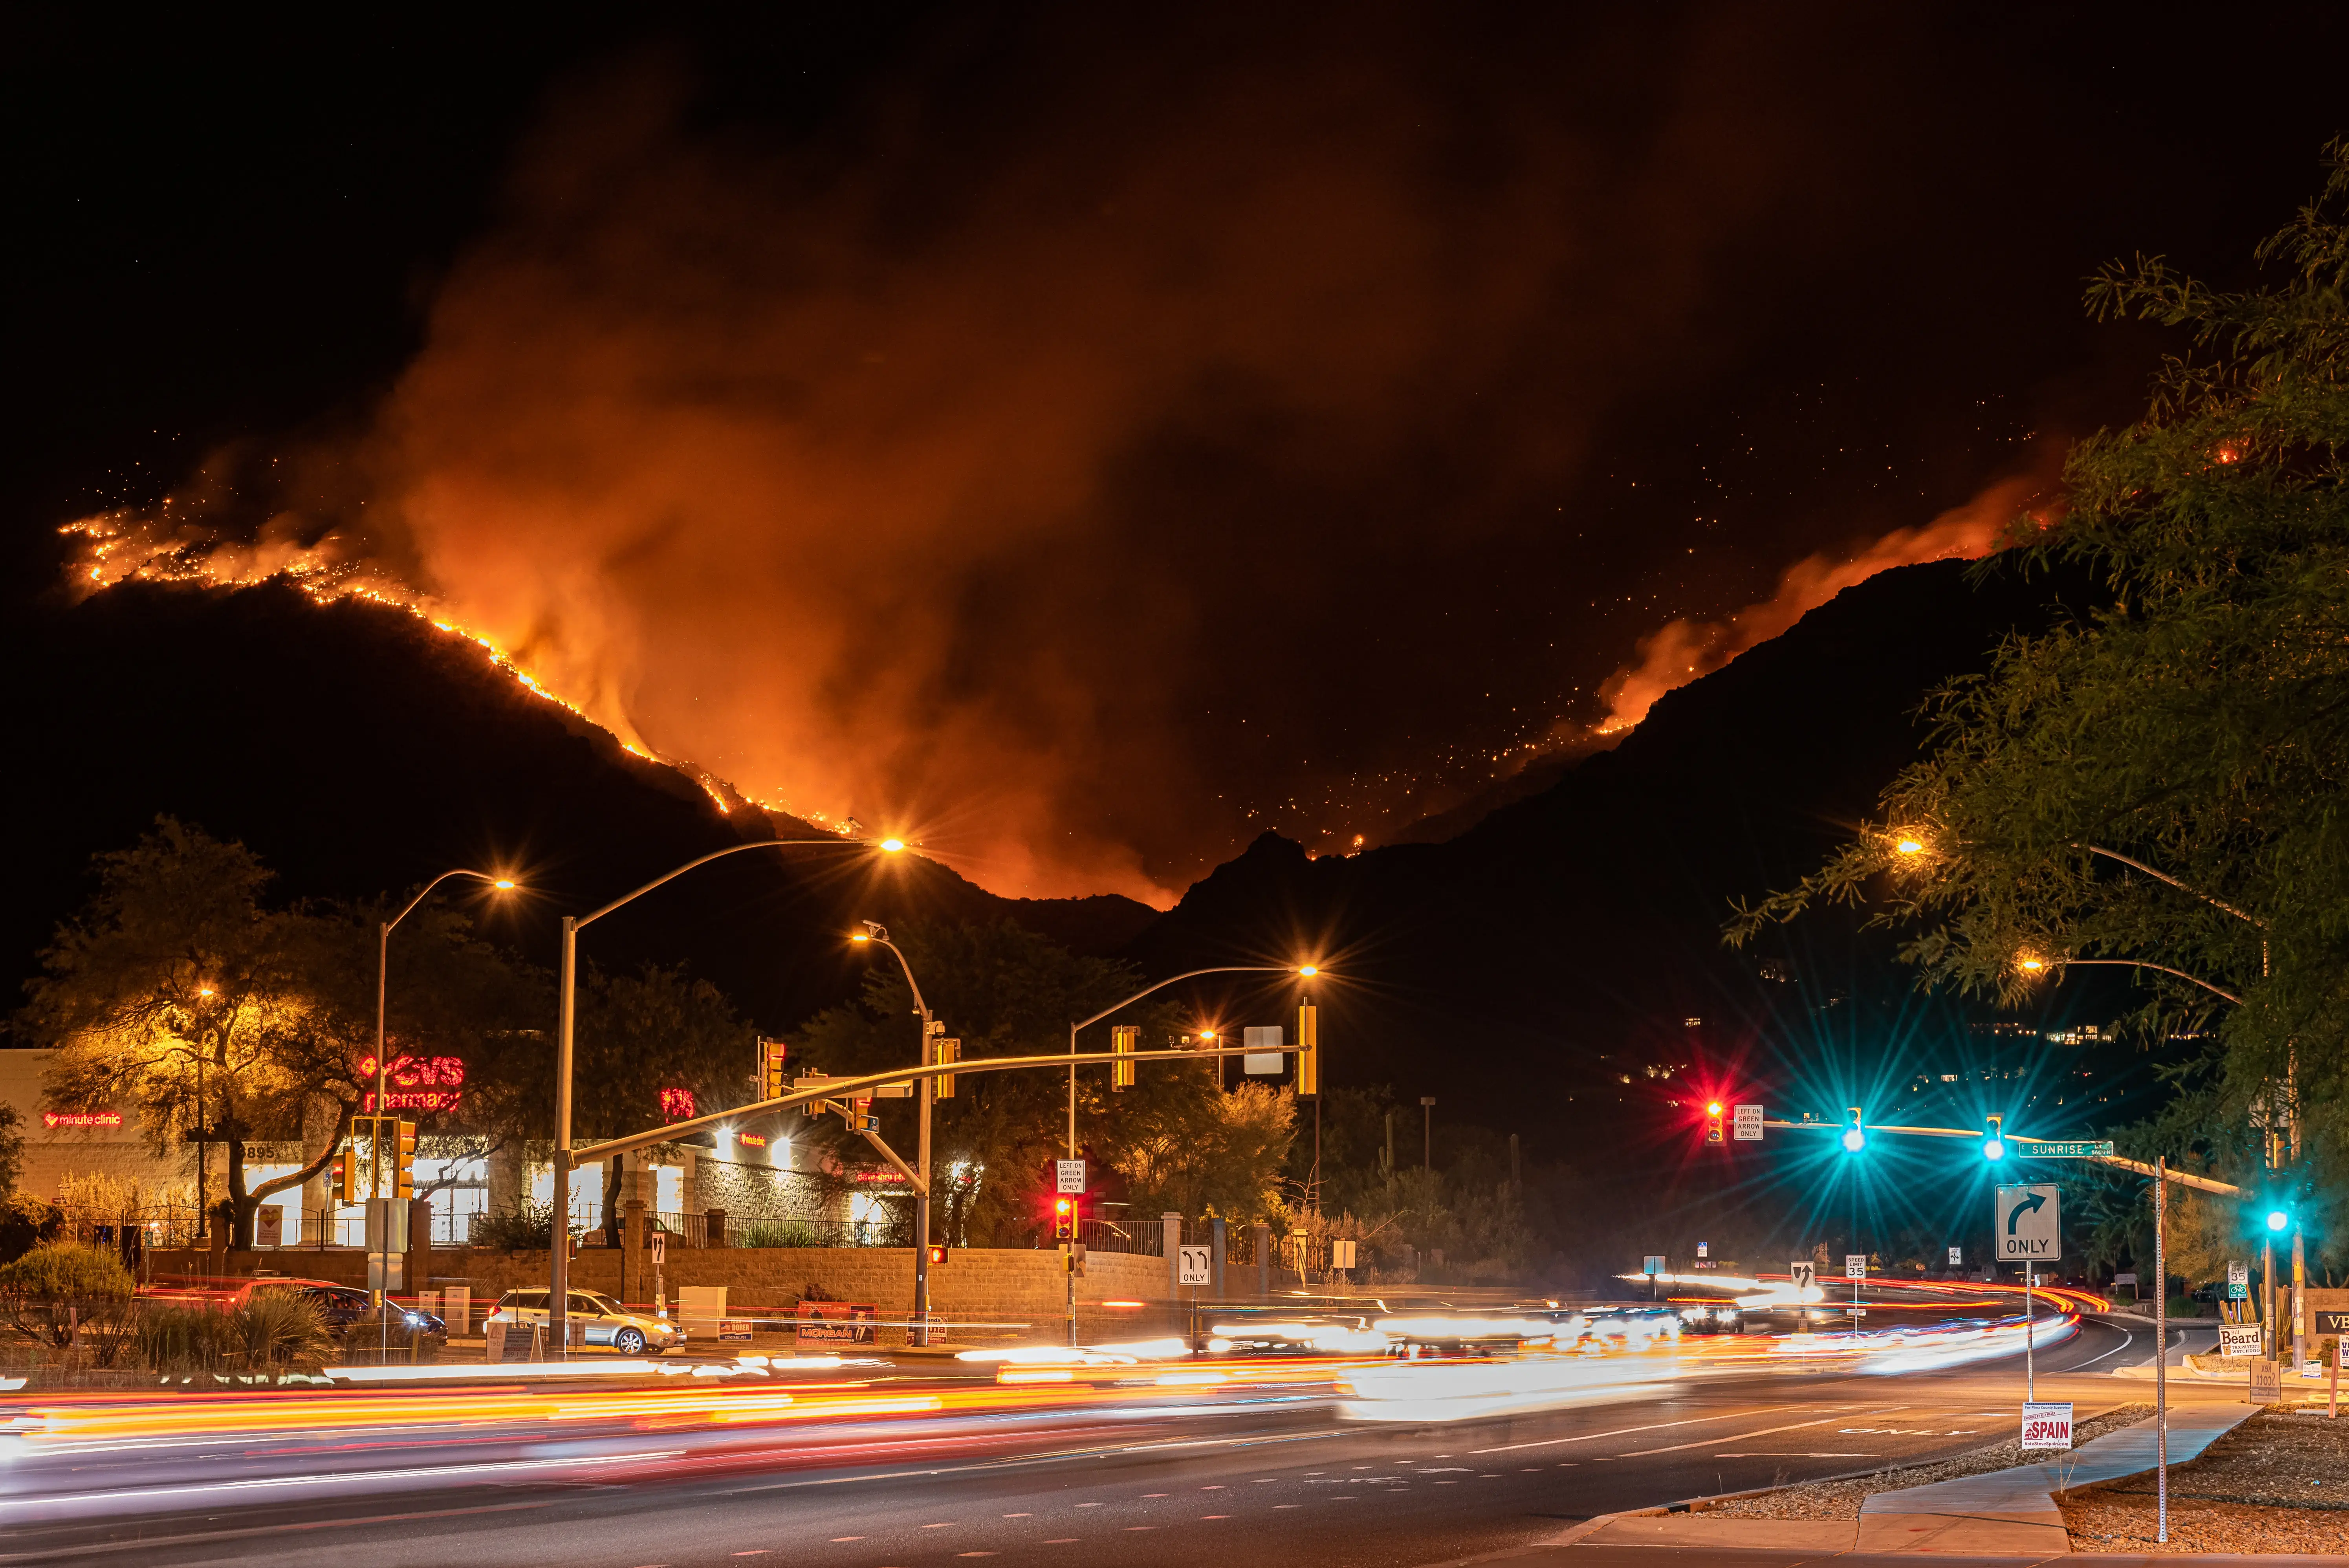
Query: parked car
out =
(608, 1323)
(340, 1304)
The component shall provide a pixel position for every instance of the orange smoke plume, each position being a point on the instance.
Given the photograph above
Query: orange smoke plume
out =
(1684, 650)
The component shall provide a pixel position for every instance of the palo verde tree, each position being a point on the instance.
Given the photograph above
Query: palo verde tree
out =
(2158, 785)
(177, 992)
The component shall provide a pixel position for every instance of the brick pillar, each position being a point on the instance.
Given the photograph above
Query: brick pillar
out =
(1262, 1237)
(632, 1252)
(1216, 1241)
(419, 1243)
(714, 1228)
(1173, 1224)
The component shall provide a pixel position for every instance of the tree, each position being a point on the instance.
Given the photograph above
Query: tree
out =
(1173, 1138)
(2156, 785)
(176, 991)
(12, 1148)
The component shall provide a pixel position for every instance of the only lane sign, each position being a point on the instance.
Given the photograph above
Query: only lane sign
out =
(2029, 1224)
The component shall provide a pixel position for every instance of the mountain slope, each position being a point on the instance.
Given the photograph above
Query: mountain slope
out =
(359, 751)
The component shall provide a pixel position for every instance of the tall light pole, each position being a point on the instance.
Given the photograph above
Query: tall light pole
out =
(925, 1095)
(375, 1185)
(559, 1241)
(1306, 971)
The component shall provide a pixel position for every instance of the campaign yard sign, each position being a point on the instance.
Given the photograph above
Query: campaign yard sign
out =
(2046, 1426)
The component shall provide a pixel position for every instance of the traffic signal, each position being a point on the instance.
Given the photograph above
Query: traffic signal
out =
(1712, 1110)
(1064, 1218)
(404, 1158)
(950, 1050)
(1854, 1130)
(1308, 1050)
(2279, 1218)
(812, 1107)
(344, 1181)
(1994, 1141)
(1125, 1040)
(771, 1082)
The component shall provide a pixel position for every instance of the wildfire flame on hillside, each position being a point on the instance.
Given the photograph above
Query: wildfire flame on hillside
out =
(1683, 650)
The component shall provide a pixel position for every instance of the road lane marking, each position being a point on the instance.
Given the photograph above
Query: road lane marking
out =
(1018, 1516)
(1062, 1540)
(1708, 1442)
(1215, 1516)
(838, 1539)
(1625, 1431)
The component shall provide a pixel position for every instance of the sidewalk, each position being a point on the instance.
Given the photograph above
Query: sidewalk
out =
(2001, 1514)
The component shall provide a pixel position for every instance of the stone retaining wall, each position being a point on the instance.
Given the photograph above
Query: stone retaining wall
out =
(990, 1283)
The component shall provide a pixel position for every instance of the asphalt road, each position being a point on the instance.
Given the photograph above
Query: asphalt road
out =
(1300, 1489)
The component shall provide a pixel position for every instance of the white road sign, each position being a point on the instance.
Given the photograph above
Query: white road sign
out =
(1197, 1266)
(1264, 1047)
(1069, 1175)
(660, 1248)
(2046, 1426)
(1804, 1272)
(2238, 1282)
(1957, 1258)
(1746, 1125)
(2239, 1339)
(2029, 1224)
(1341, 1253)
(1855, 1266)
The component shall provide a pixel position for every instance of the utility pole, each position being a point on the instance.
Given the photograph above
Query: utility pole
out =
(1427, 1133)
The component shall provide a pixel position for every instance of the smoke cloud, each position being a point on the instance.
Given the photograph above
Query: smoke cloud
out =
(982, 465)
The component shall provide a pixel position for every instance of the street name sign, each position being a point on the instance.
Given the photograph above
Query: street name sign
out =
(1746, 1123)
(2078, 1148)
(1804, 1272)
(2239, 1339)
(1855, 1266)
(2028, 1223)
(1069, 1175)
(2046, 1426)
(1198, 1265)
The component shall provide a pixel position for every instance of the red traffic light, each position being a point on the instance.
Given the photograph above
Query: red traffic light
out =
(1712, 1108)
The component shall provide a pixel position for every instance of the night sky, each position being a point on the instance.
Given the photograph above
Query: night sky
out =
(1079, 440)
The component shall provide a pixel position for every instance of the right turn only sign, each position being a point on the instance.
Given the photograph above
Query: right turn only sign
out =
(2029, 1224)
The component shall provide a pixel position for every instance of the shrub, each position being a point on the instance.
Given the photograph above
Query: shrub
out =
(274, 1331)
(180, 1340)
(782, 1234)
(530, 1228)
(61, 1291)
(277, 1329)
(66, 1270)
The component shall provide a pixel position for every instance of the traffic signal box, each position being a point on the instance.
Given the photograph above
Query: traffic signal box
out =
(937, 1253)
(1065, 1214)
(771, 1082)
(1308, 1050)
(948, 1050)
(404, 1157)
(1712, 1110)
(345, 1181)
(1125, 1040)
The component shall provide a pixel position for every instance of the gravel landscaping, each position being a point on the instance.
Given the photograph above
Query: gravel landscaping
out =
(2276, 1483)
(1841, 1498)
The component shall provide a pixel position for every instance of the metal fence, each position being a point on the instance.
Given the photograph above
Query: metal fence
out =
(1145, 1237)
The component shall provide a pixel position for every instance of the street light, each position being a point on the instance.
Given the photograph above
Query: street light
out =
(559, 1243)
(383, 1070)
(1304, 971)
(878, 935)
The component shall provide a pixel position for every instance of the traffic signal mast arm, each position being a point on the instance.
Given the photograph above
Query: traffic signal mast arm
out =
(2201, 1183)
(848, 1088)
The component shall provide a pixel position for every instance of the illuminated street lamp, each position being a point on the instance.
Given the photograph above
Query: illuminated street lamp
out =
(878, 935)
(559, 1243)
(1303, 971)
(383, 1068)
